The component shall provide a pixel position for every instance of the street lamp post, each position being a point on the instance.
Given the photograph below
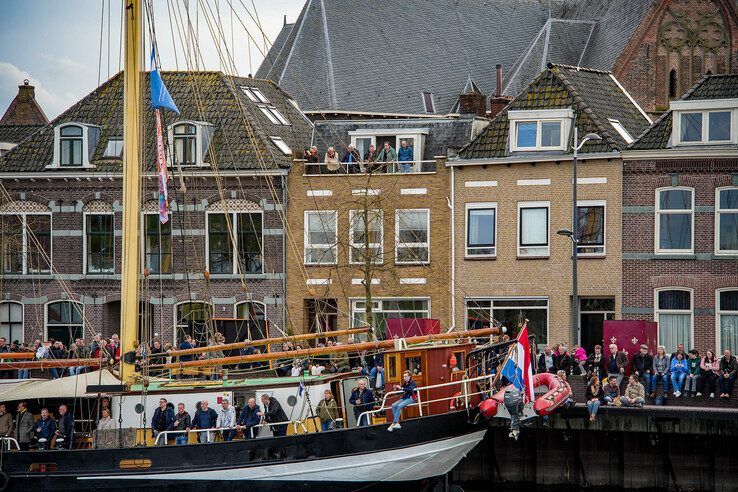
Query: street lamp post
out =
(573, 234)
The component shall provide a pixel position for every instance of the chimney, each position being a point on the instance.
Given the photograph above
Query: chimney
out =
(26, 92)
(472, 100)
(498, 101)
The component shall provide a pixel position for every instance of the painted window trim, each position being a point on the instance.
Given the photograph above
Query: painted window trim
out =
(562, 116)
(492, 299)
(85, 271)
(479, 206)
(676, 135)
(46, 315)
(718, 251)
(24, 248)
(622, 131)
(718, 313)
(200, 151)
(306, 238)
(657, 311)
(233, 240)
(526, 205)
(379, 256)
(176, 318)
(240, 303)
(143, 242)
(399, 244)
(595, 203)
(22, 321)
(56, 162)
(377, 300)
(657, 215)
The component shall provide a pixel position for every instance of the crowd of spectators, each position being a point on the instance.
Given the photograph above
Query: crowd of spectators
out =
(387, 159)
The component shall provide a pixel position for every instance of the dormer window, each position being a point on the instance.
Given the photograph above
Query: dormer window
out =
(708, 122)
(190, 141)
(70, 143)
(114, 148)
(74, 144)
(539, 130)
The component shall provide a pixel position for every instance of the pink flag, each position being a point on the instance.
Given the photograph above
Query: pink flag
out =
(161, 168)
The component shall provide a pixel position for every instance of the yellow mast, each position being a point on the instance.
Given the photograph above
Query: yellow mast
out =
(131, 181)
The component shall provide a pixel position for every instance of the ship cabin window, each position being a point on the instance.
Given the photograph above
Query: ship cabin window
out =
(414, 365)
(392, 366)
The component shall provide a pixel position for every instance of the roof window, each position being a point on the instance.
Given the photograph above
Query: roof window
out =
(281, 145)
(114, 148)
(621, 130)
(428, 104)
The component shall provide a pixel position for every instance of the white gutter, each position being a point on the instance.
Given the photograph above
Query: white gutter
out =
(526, 159)
(90, 175)
(452, 206)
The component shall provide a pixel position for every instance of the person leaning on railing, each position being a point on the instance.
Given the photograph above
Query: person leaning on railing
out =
(182, 422)
(405, 157)
(386, 157)
(408, 397)
(273, 413)
(363, 400)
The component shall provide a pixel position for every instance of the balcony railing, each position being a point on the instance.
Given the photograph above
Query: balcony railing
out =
(413, 167)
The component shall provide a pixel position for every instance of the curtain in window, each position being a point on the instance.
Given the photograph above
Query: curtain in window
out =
(729, 332)
(674, 329)
(533, 226)
(481, 227)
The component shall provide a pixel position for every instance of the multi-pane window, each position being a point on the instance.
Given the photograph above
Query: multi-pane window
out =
(256, 96)
(511, 313)
(251, 311)
(704, 126)
(533, 236)
(366, 231)
(11, 321)
(674, 317)
(321, 237)
(64, 321)
(674, 220)
(481, 234)
(99, 243)
(192, 320)
(412, 229)
(157, 244)
(386, 309)
(539, 134)
(114, 148)
(727, 319)
(726, 221)
(591, 228)
(243, 257)
(25, 242)
(70, 145)
(185, 144)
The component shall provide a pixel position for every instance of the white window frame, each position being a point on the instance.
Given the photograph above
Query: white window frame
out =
(657, 215)
(200, 149)
(281, 145)
(378, 255)
(24, 225)
(46, 315)
(233, 240)
(56, 162)
(718, 313)
(432, 109)
(621, 130)
(236, 305)
(425, 245)
(118, 142)
(143, 242)
(704, 107)
(718, 211)
(254, 94)
(562, 116)
(514, 298)
(524, 205)
(418, 135)
(176, 318)
(657, 312)
(594, 203)
(84, 244)
(479, 206)
(22, 321)
(306, 238)
(378, 304)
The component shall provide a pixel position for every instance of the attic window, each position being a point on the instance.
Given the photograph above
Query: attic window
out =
(74, 144)
(281, 145)
(621, 130)
(114, 148)
(273, 115)
(189, 141)
(706, 122)
(428, 102)
(70, 143)
(254, 94)
(539, 130)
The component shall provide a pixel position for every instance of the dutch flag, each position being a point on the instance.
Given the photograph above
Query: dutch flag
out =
(518, 369)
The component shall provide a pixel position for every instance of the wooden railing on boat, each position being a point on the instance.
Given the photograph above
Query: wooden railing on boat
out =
(52, 363)
(312, 352)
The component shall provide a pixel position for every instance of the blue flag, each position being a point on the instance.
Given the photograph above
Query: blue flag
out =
(160, 97)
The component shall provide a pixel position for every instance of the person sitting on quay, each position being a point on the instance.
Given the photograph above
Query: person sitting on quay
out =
(64, 428)
(181, 422)
(612, 391)
(635, 393)
(728, 368)
(273, 413)
(327, 411)
(709, 373)
(678, 370)
(24, 429)
(6, 423)
(594, 396)
(205, 418)
(163, 416)
(563, 361)
(363, 400)
(579, 359)
(680, 348)
(45, 429)
(249, 418)
(641, 365)
(596, 362)
(546, 360)
(405, 157)
(227, 418)
(692, 383)
(407, 398)
(660, 371)
(617, 361)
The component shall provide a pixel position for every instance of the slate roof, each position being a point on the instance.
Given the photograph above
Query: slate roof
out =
(16, 133)
(274, 50)
(593, 95)
(23, 109)
(372, 55)
(658, 135)
(212, 97)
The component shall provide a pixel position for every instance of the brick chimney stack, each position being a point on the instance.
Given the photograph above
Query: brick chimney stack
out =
(26, 92)
(498, 101)
(472, 100)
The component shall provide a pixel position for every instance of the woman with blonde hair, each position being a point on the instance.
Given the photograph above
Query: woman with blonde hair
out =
(327, 411)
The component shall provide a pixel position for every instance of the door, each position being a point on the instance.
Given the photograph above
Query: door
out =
(592, 314)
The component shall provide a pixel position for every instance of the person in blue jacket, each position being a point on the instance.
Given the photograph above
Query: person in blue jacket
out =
(163, 416)
(45, 428)
(249, 418)
(678, 369)
(407, 398)
(362, 399)
(405, 157)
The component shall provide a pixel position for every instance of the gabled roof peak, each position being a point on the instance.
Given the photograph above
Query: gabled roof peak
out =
(471, 87)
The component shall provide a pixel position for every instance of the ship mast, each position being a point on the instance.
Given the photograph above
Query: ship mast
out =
(131, 182)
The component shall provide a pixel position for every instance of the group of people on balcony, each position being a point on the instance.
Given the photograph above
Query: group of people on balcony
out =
(387, 159)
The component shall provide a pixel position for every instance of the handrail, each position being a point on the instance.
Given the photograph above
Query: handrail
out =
(295, 423)
(10, 440)
(375, 167)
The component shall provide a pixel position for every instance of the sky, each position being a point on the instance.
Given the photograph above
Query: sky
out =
(56, 44)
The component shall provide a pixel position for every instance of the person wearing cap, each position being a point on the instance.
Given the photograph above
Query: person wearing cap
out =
(642, 365)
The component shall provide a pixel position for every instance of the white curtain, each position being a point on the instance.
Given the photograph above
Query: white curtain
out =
(533, 226)
(729, 332)
(675, 329)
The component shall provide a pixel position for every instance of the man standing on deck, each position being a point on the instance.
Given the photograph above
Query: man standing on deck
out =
(45, 428)
(6, 423)
(249, 418)
(182, 422)
(23, 426)
(227, 418)
(205, 418)
(64, 428)
(273, 413)
(163, 416)
(362, 399)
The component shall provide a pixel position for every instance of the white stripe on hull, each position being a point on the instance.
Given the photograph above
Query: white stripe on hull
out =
(407, 464)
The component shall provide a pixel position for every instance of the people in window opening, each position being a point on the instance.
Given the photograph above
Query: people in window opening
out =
(362, 399)
(328, 411)
(563, 361)
(660, 370)
(64, 428)
(405, 157)
(106, 422)
(408, 397)
(546, 360)
(728, 368)
(273, 413)
(227, 418)
(386, 156)
(249, 419)
(678, 373)
(596, 362)
(642, 366)
(45, 429)
(709, 373)
(594, 396)
(617, 361)
(635, 393)
(612, 392)
(23, 426)
(311, 155)
(691, 384)
(163, 416)
(205, 418)
(331, 160)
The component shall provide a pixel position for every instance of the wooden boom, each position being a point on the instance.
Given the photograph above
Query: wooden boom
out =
(18, 355)
(311, 352)
(52, 363)
(264, 341)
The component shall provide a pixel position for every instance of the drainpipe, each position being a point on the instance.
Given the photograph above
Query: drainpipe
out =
(451, 206)
(284, 254)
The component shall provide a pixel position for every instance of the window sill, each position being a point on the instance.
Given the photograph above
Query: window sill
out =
(531, 257)
(591, 257)
(480, 257)
(674, 256)
(60, 167)
(320, 264)
(404, 264)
